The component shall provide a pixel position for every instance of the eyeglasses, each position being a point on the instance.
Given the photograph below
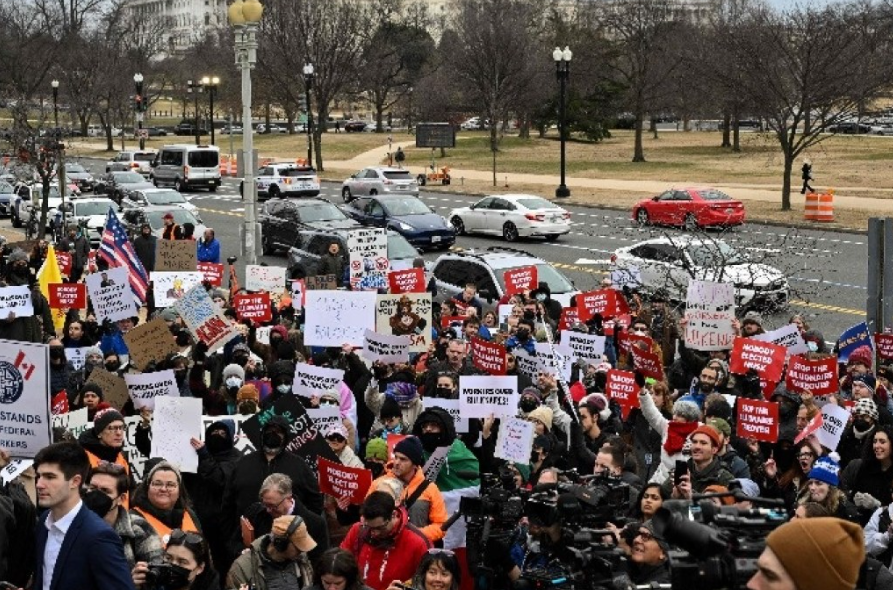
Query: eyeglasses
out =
(806, 456)
(113, 468)
(120, 428)
(378, 529)
(164, 485)
(271, 507)
(647, 536)
(336, 439)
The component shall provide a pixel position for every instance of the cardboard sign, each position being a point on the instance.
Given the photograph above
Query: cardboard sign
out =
(648, 362)
(145, 387)
(834, 420)
(253, 306)
(16, 300)
(111, 295)
(520, 280)
(818, 377)
(479, 397)
(77, 356)
(410, 280)
(63, 259)
(386, 349)
(174, 422)
(586, 347)
(212, 273)
(451, 406)
(570, 317)
(170, 287)
(408, 314)
(621, 387)
(788, 336)
(114, 388)
(26, 425)
(883, 344)
(851, 339)
(758, 419)
(368, 253)
(311, 380)
(340, 481)
(488, 356)
(515, 440)
(68, 295)
(321, 283)
(265, 278)
(171, 255)
(149, 342)
(709, 311)
(764, 357)
(334, 318)
(606, 302)
(204, 319)
(435, 463)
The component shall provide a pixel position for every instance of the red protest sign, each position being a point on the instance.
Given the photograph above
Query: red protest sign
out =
(757, 419)
(621, 387)
(648, 362)
(570, 316)
(623, 320)
(814, 425)
(340, 481)
(211, 272)
(253, 306)
(818, 377)
(627, 341)
(488, 356)
(64, 261)
(451, 321)
(883, 343)
(68, 295)
(410, 280)
(766, 358)
(59, 403)
(519, 280)
(606, 302)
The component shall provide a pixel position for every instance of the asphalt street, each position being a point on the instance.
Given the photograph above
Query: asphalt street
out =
(827, 269)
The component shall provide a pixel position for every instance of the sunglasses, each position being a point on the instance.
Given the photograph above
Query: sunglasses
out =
(647, 536)
(111, 467)
(439, 551)
(179, 535)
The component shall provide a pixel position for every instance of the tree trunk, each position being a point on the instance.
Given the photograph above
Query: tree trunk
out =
(786, 183)
(686, 123)
(736, 136)
(379, 118)
(493, 149)
(524, 126)
(639, 151)
(322, 115)
(726, 129)
(652, 127)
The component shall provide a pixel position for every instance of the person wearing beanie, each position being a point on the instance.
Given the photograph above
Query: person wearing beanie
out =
(337, 437)
(376, 456)
(36, 328)
(859, 432)
(727, 453)
(649, 557)
(823, 487)
(105, 441)
(590, 433)
(812, 553)
(673, 431)
(542, 419)
(704, 466)
(276, 560)
(89, 396)
(248, 400)
(233, 380)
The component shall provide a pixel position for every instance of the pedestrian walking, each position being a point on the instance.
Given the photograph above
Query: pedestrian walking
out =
(806, 174)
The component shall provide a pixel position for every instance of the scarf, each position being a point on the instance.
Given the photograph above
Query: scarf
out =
(677, 432)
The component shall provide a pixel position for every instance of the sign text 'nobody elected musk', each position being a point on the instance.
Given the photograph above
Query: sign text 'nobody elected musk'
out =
(68, 295)
(766, 358)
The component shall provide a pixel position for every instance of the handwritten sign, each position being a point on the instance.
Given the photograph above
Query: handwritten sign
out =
(520, 280)
(321, 283)
(253, 306)
(74, 422)
(212, 273)
(368, 253)
(883, 343)
(265, 278)
(621, 387)
(527, 364)
(324, 417)
(68, 295)
(340, 481)
(451, 406)
(150, 342)
(145, 387)
(172, 255)
(758, 419)
(174, 422)
(16, 300)
(480, 396)
(334, 318)
(169, 287)
(788, 336)
(586, 347)
(488, 356)
(204, 319)
(410, 280)
(387, 349)
(709, 312)
(408, 314)
(834, 420)
(114, 388)
(515, 440)
(818, 377)
(111, 295)
(311, 380)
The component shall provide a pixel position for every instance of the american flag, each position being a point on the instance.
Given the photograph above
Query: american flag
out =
(117, 250)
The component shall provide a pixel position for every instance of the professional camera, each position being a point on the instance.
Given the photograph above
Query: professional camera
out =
(160, 575)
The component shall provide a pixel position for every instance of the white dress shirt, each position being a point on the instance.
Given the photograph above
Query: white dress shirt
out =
(57, 530)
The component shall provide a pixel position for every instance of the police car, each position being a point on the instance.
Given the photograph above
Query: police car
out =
(286, 180)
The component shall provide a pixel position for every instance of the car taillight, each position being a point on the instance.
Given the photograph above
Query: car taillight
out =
(533, 217)
(186, 171)
(613, 258)
(134, 165)
(388, 182)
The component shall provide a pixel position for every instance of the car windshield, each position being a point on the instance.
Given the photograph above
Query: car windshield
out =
(557, 282)
(128, 177)
(292, 172)
(714, 195)
(535, 203)
(399, 248)
(399, 207)
(75, 169)
(92, 208)
(714, 253)
(144, 157)
(320, 212)
(181, 216)
(164, 198)
(397, 175)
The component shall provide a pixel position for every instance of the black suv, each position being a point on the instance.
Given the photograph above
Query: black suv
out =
(310, 245)
(187, 127)
(281, 219)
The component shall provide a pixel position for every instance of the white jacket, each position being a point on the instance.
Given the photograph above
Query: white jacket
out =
(658, 422)
(877, 541)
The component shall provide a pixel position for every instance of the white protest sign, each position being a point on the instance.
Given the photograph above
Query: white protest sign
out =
(77, 356)
(265, 278)
(586, 347)
(368, 252)
(451, 406)
(170, 286)
(204, 319)
(311, 380)
(834, 420)
(324, 417)
(74, 422)
(262, 334)
(334, 318)
(111, 295)
(25, 424)
(175, 421)
(14, 469)
(145, 387)
(515, 440)
(788, 336)
(550, 360)
(481, 396)
(527, 364)
(504, 311)
(385, 348)
(16, 300)
(709, 312)
(435, 462)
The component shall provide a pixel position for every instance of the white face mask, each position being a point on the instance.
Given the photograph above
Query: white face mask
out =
(233, 382)
(812, 346)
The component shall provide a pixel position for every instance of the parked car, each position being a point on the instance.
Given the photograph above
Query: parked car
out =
(118, 184)
(669, 263)
(90, 214)
(234, 130)
(27, 201)
(409, 216)
(690, 208)
(285, 180)
(7, 197)
(474, 124)
(849, 128)
(79, 176)
(512, 217)
(134, 160)
(310, 245)
(188, 128)
(281, 219)
(154, 216)
(146, 197)
(354, 126)
(379, 180)
(156, 131)
(273, 128)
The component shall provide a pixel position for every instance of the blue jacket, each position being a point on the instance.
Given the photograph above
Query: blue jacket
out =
(114, 342)
(91, 557)
(208, 252)
(529, 346)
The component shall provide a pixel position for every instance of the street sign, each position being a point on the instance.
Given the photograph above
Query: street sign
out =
(435, 135)
(143, 133)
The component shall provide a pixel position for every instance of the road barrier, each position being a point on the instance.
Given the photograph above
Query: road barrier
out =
(819, 206)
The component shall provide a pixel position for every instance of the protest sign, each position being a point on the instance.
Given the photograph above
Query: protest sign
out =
(621, 387)
(393, 440)
(408, 314)
(68, 295)
(818, 377)
(570, 317)
(526, 363)
(834, 420)
(324, 417)
(77, 356)
(253, 306)
(851, 339)
(145, 387)
(169, 287)
(265, 278)
(757, 419)
(586, 347)
(173, 255)
(340, 481)
(321, 283)
(262, 334)
(14, 469)
(515, 440)
(387, 349)
(175, 421)
(410, 280)
(149, 342)
(110, 294)
(212, 273)
(435, 462)
(453, 322)
(766, 358)
(504, 311)
(304, 437)
(298, 294)
(883, 344)
(63, 259)
(648, 362)
(204, 319)
(26, 425)
(709, 312)
(74, 422)
(520, 280)
(114, 388)
(488, 356)
(311, 380)
(16, 300)
(481, 396)
(367, 252)
(59, 404)
(811, 427)
(627, 341)
(451, 406)
(550, 360)
(605, 302)
(788, 336)
(334, 318)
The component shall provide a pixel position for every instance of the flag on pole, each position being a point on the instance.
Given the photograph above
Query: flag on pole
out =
(117, 250)
(49, 273)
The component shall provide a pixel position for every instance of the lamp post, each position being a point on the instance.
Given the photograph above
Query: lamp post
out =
(57, 147)
(244, 16)
(409, 114)
(139, 106)
(195, 88)
(562, 71)
(308, 84)
(211, 84)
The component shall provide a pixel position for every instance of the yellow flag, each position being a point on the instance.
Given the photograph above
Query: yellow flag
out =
(49, 273)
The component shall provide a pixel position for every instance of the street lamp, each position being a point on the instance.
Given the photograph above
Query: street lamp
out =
(409, 114)
(57, 145)
(139, 105)
(562, 70)
(195, 88)
(308, 84)
(211, 84)
(244, 16)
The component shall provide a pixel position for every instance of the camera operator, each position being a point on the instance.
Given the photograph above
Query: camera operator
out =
(648, 555)
(545, 543)
(703, 468)
(186, 566)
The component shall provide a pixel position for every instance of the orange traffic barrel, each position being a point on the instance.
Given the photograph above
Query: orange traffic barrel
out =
(819, 206)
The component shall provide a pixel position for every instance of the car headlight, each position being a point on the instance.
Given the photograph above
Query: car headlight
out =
(404, 226)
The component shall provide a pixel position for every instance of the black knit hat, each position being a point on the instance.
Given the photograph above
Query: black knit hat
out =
(389, 408)
(411, 446)
(95, 388)
(104, 418)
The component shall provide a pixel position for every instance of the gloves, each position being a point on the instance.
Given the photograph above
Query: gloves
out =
(866, 501)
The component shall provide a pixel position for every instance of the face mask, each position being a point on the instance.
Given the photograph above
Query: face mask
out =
(98, 502)
(57, 353)
(217, 444)
(274, 341)
(284, 388)
(395, 430)
(241, 360)
(178, 577)
(182, 340)
(861, 424)
(812, 346)
(528, 405)
(443, 392)
(522, 334)
(540, 296)
(233, 382)
(112, 367)
(376, 468)
(20, 271)
(534, 456)
(180, 375)
(431, 440)
(272, 441)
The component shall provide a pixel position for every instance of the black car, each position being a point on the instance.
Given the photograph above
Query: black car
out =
(282, 219)
(310, 245)
(355, 126)
(405, 214)
(188, 128)
(117, 184)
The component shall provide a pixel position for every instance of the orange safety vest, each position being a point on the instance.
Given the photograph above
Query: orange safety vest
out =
(163, 530)
(120, 460)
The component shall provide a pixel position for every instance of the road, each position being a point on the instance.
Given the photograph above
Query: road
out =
(827, 269)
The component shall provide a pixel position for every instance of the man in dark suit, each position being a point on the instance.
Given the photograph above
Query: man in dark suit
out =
(76, 549)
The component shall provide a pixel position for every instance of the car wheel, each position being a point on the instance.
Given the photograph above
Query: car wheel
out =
(345, 194)
(212, 189)
(509, 232)
(155, 182)
(642, 217)
(552, 237)
(373, 192)
(273, 191)
(459, 225)
(690, 223)
(16, 222)
(178, 185)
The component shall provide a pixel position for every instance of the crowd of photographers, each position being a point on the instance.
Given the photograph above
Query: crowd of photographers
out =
(667, 494)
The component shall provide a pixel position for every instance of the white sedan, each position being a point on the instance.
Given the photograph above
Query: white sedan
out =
(512, 217)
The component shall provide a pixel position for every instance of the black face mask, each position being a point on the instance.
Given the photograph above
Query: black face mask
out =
(861, 424)
(534, 456)
(217, 444)
(443, 392)
(180, 375)
(376, 468)
(57, 353)
(522, 335)
(112, 367)
(20, 271)
(176, 577)
(432, 440)
(241, 360)
(98, 502)
(528, 405)
(272, 441)
(182, 339)
(274, 342)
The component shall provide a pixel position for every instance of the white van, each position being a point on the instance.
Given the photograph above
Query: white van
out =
(186, 166)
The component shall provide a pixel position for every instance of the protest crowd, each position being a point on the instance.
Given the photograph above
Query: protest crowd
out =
(351, 431)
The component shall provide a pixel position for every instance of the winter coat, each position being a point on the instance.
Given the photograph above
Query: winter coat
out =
(735, 464)
(37, 328)
(428, 511)
(206, 487)
(851, 446)
(255, 569)
(646, 443)
(79, 248)
(349, 459)
(661, 425)
(668, 334)
(141, 542)
(584, 449)
(65, 377)
(262, 522)
(144, 247)
(332, 265)
(878, 536)
(867, 478)
(208, 251)
(713, 474)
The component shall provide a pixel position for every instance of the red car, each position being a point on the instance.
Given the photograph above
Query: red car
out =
(690, 208)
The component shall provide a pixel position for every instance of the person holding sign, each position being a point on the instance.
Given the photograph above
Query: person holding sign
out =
(37, 327)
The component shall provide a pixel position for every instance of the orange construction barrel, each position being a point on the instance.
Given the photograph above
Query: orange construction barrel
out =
(819, 206)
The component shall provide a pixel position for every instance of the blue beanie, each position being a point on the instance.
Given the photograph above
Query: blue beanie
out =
(827, 470)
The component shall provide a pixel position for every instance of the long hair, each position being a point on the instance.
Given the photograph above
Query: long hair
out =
(208, 579)
(445, 559)
(338, 562)
(869, 462)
